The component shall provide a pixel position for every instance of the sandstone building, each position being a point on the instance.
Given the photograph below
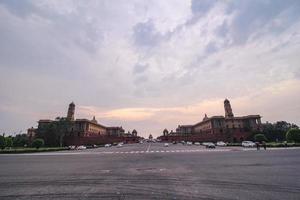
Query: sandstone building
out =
(85, 131)
(227, 128)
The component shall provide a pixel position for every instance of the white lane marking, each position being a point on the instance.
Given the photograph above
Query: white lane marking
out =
(148, 148)
(138, 152)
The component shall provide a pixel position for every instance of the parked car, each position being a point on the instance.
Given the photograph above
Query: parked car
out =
(72, 147)
(107, 145)
(166, 144)
(81, 147)
(248, 144)
(221, 144)
(197, 143)
(120, 145)
(205, 143)
(189, 143)
(210, 145)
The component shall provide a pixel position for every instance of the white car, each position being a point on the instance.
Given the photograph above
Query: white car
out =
(72, 147)
(119, 145)
(221, 144)
(107, 145)
(205, 143)
(197, 143)
(81, 147)
(248, 144)
(210, 145)
(166, 144)
(189, 143)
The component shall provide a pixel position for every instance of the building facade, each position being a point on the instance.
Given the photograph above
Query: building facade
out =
(85, 131)
(226, 128)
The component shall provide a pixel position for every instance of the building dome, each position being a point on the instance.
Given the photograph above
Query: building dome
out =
(94, 120)
(205, 117)
(226, 101)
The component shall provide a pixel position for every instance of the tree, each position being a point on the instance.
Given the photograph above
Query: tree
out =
(277, 131)
(9, 141)
(20, 140)
(260, 137)
(293, 135)
(2, 142)
(63, 126)
(54, 132)
(37, 143)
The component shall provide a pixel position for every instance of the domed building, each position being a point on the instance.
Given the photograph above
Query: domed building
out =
(226, 128)
(85, 131)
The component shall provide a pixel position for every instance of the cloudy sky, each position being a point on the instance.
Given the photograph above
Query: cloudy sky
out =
(149, 64)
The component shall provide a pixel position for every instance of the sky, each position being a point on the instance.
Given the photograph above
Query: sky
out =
(148, 64)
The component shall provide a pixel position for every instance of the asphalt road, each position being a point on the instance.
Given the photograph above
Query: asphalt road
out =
(152, 171)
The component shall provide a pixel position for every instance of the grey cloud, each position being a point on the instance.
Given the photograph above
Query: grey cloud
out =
(211, 48)
(146, 35)
(222, 30)
(140, 68)
(200, 7)
(252, 15)
(19, 8)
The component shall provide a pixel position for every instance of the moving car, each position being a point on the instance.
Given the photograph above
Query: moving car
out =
(248, 144)
(205, 143)
(189, 143)
(72, 147)
(119, 145)
(221, 144)
(210, 145)
(197, 143)
(166, 144)
(107, 145)
(81, 147)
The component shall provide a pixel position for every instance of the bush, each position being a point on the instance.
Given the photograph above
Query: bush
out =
(293, 135)
(9, 142)
(37, 143)
(2, 142)
(260, 137)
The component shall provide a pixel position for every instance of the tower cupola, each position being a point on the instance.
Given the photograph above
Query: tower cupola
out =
(228, 109)
(71, 111)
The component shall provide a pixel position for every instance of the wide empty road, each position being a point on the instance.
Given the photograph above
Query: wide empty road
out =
(152, 171)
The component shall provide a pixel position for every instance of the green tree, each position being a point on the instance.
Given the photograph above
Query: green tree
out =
(260, 137)
(37, 143)
(293, 135)
(63, 126)
(9, 141)
(20, 140)
(54, 132)
(2, 142)
(277, 131)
